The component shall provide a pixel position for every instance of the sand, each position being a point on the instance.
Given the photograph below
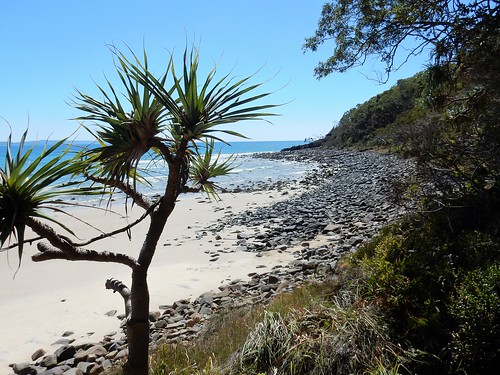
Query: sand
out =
(46, 299)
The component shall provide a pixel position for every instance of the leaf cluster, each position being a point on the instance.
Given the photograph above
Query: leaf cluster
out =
(359, 29)
(30, 185)
(166, 116)
(439, 288)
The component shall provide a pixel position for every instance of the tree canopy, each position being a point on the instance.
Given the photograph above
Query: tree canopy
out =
(386, 28)
(452, 128)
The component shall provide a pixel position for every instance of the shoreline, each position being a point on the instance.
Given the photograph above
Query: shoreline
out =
(340, 205)
(46, 300)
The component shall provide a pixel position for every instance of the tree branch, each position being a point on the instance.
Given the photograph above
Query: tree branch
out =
(63, 248)
(118, 286)
(48, 252)
(15, 245)
(137, 197)
(121, 230)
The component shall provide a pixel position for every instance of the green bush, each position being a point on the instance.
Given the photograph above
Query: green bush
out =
(410, 272)
(476, 308)
(439, 288)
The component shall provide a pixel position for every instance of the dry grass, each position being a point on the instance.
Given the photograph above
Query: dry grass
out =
(316, 329)
(339, 338)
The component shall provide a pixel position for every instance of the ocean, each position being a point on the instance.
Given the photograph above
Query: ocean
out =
(247, 172)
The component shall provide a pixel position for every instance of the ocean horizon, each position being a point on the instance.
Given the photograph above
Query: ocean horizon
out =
(248, 171)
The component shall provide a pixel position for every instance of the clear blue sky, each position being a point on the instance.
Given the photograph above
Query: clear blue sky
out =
(49, 48)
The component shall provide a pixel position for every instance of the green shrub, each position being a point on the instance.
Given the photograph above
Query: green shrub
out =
(476, 308)
(410, 272)
(479, 249)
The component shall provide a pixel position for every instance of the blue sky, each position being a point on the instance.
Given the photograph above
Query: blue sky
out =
(49, 48)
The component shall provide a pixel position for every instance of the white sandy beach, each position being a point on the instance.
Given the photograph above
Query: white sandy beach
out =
(46, 299)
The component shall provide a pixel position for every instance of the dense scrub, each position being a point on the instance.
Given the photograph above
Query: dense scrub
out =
(440, 289)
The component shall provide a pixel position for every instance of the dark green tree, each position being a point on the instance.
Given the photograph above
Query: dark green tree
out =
(455, 129)
(357, 29)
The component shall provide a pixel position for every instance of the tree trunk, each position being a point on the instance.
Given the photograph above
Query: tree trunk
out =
(138, 321)
(138, 325)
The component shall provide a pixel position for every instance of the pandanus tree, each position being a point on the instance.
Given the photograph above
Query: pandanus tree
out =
(168, 116)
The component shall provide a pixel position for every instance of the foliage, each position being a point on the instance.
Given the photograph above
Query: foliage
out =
(416, 299)
(450, 123)
(408, 271)
(27, 187)
(425, 276)
(125, 131)
(315, 329)
(203, 168)
(359, 29)
(226, 332)
(476, 309)
(196, 109)
(338, 338)
(361, 126)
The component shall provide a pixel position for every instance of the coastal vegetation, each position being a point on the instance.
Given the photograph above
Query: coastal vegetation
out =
(166, 116)
(436, 273)
(423, 296)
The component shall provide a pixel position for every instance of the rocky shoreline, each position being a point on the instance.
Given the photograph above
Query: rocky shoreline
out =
(339, 205)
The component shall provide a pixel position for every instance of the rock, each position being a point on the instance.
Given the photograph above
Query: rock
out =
(272, 279)
(121, 354)
(65, 341)
(332, 227)
(73, 371)
(222, 294)
(97, 369)
(49, 361)
(180, 324)
(38, 354)
(342, 202)
(268, 287)
(92, 352)
(106, 364)
(67, 333)
(180, 304)
(59, 370)
(111, 313)
(85, 367)
(154, 316)
(194, 319)
(65, 352)
(206, 298)
(160, 324)
(24, 369)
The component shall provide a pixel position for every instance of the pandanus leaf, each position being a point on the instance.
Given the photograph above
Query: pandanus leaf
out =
(205, 167)
(30, 182)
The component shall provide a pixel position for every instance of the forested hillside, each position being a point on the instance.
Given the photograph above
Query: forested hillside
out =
(369, 124)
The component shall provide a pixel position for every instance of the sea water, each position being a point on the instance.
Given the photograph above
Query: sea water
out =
(247, 170)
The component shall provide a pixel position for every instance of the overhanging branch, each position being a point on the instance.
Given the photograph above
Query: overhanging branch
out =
(48, 252)
(121, 230)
